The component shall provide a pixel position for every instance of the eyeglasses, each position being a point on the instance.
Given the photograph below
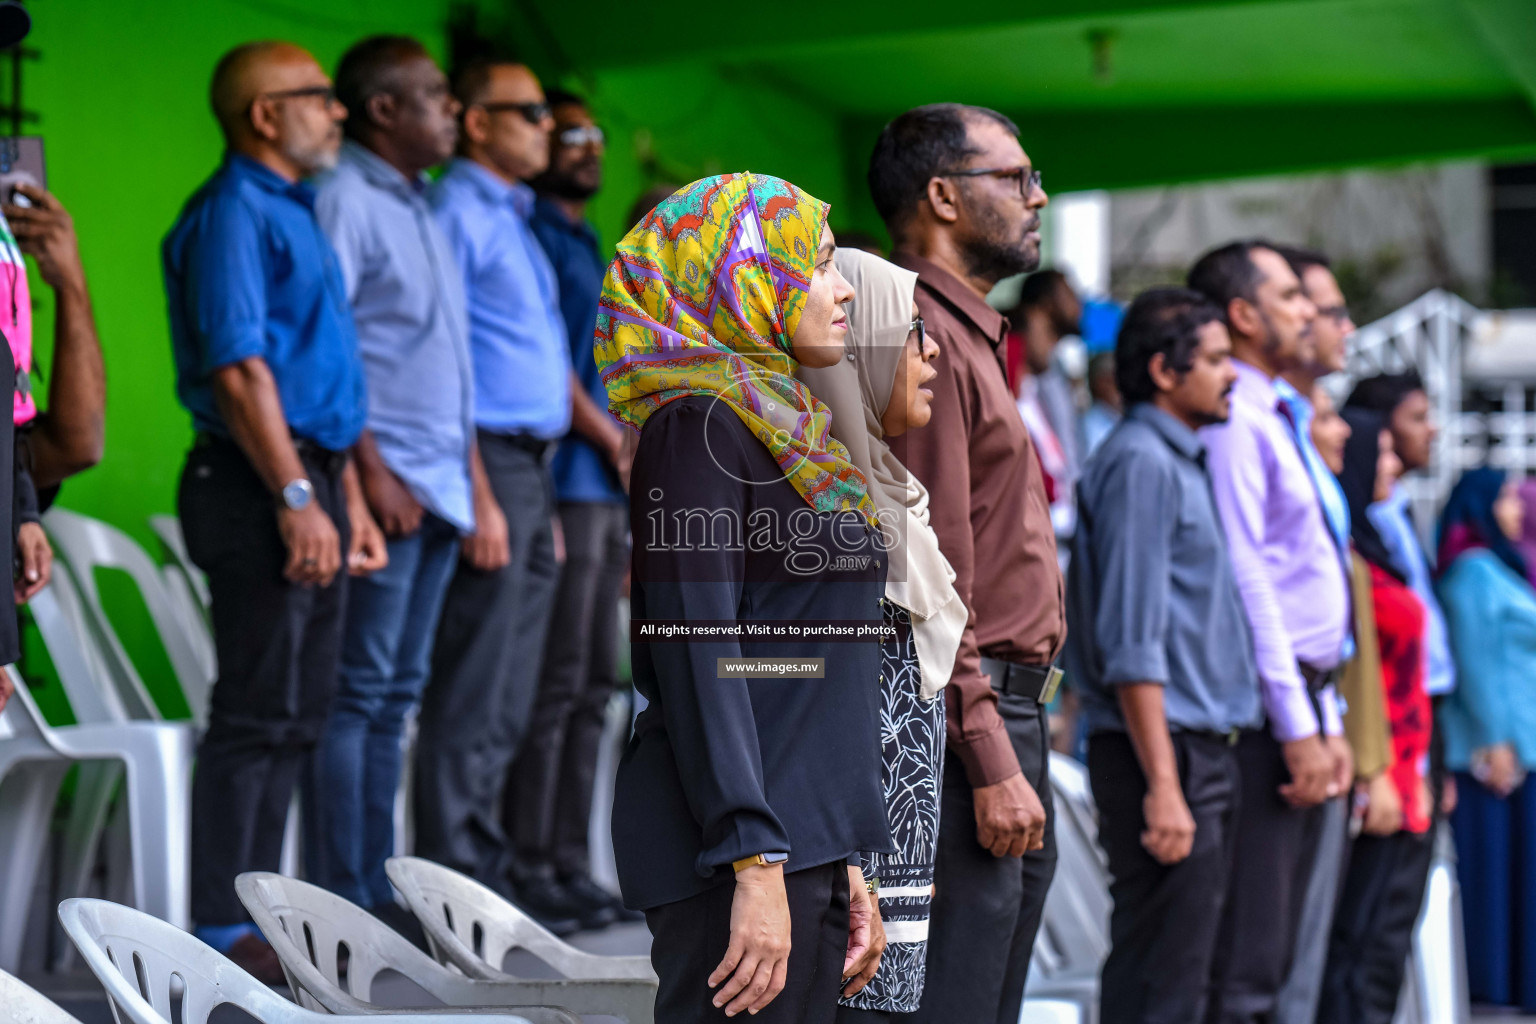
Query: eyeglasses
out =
(533, 113)
(918, 326)
(1027, 177)
(324, 93)
(1338, 314)
(584, 135)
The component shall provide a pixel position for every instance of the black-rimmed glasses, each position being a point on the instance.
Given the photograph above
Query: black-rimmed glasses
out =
(1027, 177)
(324, 93)
(1338, 314)
(533, 113)
(581, 135)
(921, 329)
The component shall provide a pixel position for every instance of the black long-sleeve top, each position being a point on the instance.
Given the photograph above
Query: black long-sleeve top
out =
(721, 768)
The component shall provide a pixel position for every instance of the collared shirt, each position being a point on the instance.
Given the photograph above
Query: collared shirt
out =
(248, 273)
(581, 472)
(1394, 523)
(408, 301)
(1151, 597)
(1285, 560)
(987, 504)
(516, 331)
(1329, 491)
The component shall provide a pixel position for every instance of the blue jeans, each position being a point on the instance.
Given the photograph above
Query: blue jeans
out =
(391, 620)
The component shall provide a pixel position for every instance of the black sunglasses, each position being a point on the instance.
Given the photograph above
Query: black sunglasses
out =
(533, 113)
(922, 332)
(324, 93)
(1028, 178)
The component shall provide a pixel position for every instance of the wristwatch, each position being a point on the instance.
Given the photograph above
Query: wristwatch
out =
(297, 494)
(759, 859)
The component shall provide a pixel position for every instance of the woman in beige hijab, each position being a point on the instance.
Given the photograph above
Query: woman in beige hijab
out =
(876, 393)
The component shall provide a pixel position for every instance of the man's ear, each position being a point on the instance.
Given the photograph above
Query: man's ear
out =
(263, 119)
(943, 200)
(1163, 378)
(476, 124)
(381, 108)
(1243, 317)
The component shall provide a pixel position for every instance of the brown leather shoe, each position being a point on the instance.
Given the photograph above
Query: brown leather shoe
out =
(254, 955)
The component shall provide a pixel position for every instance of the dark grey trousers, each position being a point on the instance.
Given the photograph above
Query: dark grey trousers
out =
(986, 910)
(549, 796)
(485, 673)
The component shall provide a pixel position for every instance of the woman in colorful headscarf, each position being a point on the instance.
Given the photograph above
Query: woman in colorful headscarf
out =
(750, 785)
(874, 394)
(1489, 724)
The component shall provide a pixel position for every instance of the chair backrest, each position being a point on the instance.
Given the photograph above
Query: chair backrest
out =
(20, 1004)
(20, 718)
(174, 542)
(474, 928)
(136, 957)
(308, 925)
(86, 545)
(96, 694)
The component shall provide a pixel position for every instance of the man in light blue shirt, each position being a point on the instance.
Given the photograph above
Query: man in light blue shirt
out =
(490, 643)
(417, 457)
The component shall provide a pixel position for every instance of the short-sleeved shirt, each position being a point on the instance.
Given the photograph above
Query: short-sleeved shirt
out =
(1151, 597)
(16, 316)
(249, 273)
(408, 302)
(581, 472)
(516, 330)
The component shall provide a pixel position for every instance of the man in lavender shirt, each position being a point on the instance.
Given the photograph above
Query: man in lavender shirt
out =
(1295, 593)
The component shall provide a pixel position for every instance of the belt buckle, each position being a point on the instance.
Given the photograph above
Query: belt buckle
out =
(1052, 684)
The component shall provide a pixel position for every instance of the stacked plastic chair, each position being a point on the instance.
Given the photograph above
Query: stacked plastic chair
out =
(20, 1004)
(144, 964)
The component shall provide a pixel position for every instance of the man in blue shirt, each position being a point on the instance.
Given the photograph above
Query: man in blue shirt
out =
(267, 363)
(553, 778)
(1159, 647)
(417, 456)
(485, 668)
(1330, 336)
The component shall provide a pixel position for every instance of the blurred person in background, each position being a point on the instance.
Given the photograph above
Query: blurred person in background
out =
(1489, 724)
(1383, 887)
(1402, 399)
(267, 363)
(485, 665)
(417, 457)
(1159, 646)
(962, 203)
(551, 782)
(1106, 405)
(1297, 387)
(1047, 311)
(876, 394)
(1295, 589)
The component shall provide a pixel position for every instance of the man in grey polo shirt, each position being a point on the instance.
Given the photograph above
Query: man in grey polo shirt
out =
(1159, 648)
(418, 459)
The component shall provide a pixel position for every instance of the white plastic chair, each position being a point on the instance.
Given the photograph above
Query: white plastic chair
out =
(179, 564)
(1051, 1011)
(472, 928)
(307, 926)
(21, 1004)
(157, 758)
(138, 959)
(85, 545)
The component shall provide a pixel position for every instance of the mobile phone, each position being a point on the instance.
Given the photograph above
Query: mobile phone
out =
(21, 161)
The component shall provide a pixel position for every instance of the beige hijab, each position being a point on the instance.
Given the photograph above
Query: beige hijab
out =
(857, 390)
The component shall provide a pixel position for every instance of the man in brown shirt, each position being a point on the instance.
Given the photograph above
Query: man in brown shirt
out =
(961, 201)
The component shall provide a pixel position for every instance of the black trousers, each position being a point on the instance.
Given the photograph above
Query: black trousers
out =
(485, 671)
(1164, 925)
(277, 645)
(551, 785)
(1267, 889)
(690, 938)
(986, 909)
(1373, 928)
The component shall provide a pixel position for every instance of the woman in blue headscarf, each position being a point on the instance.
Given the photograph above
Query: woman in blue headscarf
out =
(1490, 730)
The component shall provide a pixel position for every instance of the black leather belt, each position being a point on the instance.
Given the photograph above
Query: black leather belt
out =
(329, 462)
(538, 447)
(1317, 679)
(1036, 682)
(1226, 739)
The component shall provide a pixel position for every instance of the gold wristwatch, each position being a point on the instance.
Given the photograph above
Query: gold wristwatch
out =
(759, 860)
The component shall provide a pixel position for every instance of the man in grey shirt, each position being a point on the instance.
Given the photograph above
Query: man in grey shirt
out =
(1159, 648)
(418, 459)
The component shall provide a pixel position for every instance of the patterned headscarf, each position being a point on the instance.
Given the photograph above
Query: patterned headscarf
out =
(703, 298)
